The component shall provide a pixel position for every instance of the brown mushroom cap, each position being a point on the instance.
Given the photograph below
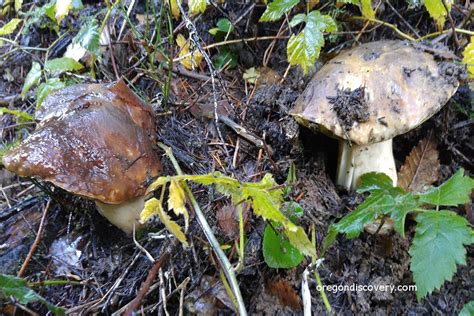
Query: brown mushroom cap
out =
(376, 91)
(93, 140)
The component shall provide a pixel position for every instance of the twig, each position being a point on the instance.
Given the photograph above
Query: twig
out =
(453, 27)
(403, 19)
(36, 242)
(234, 41)
(141, 248)
(221, 257)
(193, 35)
(147, 283)
(392, 26)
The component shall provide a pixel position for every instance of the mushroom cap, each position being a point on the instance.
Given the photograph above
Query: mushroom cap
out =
(377, 91)
(92, 140)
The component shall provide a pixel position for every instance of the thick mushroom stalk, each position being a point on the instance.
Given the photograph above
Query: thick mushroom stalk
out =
(356, 160)
(123, 215)
(94, 141)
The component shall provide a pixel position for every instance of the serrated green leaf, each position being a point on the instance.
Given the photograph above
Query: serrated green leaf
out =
(375, 181)
(276, 9)
(153, 207)
(303, 49)
(265, 196)
(297, 19)
(197, 6)
(437, 248)
(468, 57)
(32, 78)
(278, 252)
(455, 191)
(10, 27)
(89, 37)
(353, 223)
(224, 25)
(18, 4)
(63, 64)
(17, 287)
(467, 309)
(366, 9)
(46, 88)
(437, 10)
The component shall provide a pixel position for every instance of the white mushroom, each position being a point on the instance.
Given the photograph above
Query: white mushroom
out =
(367, 95)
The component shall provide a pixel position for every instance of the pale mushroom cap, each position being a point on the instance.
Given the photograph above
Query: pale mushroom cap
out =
(92, 142)
(401, 87)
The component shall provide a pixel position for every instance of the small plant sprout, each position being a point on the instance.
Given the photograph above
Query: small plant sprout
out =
(369, 94)
(94, 141)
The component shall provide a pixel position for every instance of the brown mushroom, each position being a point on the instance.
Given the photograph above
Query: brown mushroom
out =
(367, 95)
(94, 141)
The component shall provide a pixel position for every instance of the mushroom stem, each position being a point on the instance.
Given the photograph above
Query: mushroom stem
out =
(356, 160)
(123, 215)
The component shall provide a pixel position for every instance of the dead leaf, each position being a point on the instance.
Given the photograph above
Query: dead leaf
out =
(227, 221)
(177, 201)
(421, 167)
(285, 293)
(192, 61)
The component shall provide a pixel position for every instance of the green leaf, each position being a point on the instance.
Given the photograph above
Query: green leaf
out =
(303, 49)
(46, 88)
(437, 10)
(278, 252)
(353, 223)
(438, 246)
(329, 239)
(375, 181)
(224, 25)
(63, 64)
(467, 309)
(17, 287)
(366, 9)
(276, 9)
(8, 28)
(32, 78)
(197, 6)
(226, 58)
(88, 37)
(265, 196)
(468, 57)
(20, 114)
(297, 19)
(455, 191)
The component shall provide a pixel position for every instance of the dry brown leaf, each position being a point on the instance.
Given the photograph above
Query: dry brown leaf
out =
(285, 293)
(421, 167)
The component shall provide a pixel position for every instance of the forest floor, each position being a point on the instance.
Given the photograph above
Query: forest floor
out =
(102, 267)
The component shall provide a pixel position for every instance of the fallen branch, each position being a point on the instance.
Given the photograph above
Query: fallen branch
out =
(147, 283)
(36, 242)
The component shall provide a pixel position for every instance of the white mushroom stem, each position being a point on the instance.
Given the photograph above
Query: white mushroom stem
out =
(124, 215)
(356, 160)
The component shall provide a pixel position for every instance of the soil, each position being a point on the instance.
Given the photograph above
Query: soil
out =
(350, 106)
(111, 268)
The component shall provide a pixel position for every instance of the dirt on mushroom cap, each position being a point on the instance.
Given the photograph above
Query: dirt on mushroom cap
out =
(92, 142)
(403, 86)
